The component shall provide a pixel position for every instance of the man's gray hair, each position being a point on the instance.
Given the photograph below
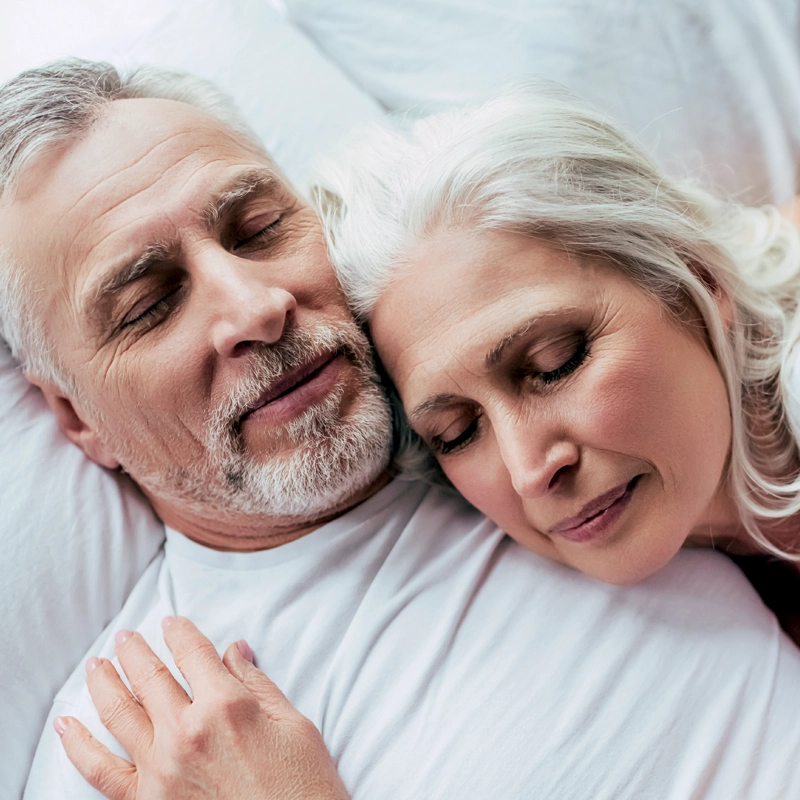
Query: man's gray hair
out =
(537, 161)
(43, 108)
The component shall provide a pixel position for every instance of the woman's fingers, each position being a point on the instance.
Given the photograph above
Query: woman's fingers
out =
(111, 775)
(151, 681)
(118, 709)
(195, 656)
(238, 738)
(239, 660)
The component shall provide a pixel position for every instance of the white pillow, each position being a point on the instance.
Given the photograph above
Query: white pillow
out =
(74, 538)
(295, 98)
(713, 88)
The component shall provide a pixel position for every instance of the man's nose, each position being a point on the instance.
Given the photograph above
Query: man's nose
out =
(247, 307)
(538, 457)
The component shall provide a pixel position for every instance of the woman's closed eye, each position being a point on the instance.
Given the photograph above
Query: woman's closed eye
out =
(456, 436)
(558, 360)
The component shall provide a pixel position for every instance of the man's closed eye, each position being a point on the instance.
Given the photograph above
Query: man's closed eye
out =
(261, 236)
(149, 315)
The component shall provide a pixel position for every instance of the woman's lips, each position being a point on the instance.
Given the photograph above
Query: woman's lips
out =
(297, 391)
(597, 516)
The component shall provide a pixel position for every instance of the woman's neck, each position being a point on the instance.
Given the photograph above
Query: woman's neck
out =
(722, 529)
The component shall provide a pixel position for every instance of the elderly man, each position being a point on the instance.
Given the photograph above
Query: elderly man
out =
(170, 294)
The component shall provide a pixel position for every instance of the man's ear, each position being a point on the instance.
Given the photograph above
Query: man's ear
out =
(73, 426)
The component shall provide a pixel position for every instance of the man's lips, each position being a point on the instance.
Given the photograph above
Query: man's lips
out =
(594, 507)
(292, 381)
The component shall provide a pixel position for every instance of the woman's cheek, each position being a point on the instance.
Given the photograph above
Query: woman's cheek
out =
(485, 483)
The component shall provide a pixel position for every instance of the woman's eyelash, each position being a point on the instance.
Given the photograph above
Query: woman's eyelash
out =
(463, 438)
(569, 366)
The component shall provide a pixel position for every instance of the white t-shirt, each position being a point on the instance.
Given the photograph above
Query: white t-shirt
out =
(441, 660)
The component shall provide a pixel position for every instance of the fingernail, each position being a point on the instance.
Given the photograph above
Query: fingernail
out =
(60, 724)
(120, 637)
(166, 622)
(92, 664)
(246, 651)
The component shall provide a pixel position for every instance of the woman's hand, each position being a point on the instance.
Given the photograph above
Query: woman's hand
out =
(239, 738)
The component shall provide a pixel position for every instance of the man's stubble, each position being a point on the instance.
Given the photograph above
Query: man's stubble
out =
(333, 456)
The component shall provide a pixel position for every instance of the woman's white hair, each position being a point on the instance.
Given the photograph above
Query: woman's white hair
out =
(43, 108)
(538, 161)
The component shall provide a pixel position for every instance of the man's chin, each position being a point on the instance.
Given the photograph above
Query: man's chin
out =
(303, 470)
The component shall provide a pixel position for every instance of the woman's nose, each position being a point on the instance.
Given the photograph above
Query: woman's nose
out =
(247, 307)
(537, 461)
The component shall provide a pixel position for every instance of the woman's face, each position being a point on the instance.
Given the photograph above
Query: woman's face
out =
(560, 399)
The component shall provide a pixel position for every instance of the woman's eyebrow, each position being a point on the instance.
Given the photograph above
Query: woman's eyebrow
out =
(490, 360)
(430, 404)
(495, 355)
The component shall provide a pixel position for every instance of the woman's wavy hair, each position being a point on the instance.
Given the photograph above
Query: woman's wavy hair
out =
(538, 161)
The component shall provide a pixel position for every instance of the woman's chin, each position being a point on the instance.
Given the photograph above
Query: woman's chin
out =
(628, 563)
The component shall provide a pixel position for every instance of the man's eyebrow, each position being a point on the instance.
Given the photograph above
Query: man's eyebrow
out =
(99, 297)
(244, 185)
(253, 182)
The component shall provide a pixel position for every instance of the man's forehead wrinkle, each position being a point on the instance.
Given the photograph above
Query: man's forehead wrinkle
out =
(134, 194)
(117, 173)
(88, 221)
(135, 191)
(117, 176)
(120, 229)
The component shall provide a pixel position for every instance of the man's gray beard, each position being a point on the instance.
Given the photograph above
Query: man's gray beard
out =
(333, 456)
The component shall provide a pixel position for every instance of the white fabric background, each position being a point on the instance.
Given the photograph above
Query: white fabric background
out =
(712, 87)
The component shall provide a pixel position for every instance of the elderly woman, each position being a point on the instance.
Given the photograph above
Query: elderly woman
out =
(597, 356)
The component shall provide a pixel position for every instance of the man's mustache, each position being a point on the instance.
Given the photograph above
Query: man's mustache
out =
(270, 364)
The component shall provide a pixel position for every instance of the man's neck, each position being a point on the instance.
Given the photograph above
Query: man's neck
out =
(246, 533)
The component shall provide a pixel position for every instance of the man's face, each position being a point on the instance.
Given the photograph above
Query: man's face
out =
(187, 290)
